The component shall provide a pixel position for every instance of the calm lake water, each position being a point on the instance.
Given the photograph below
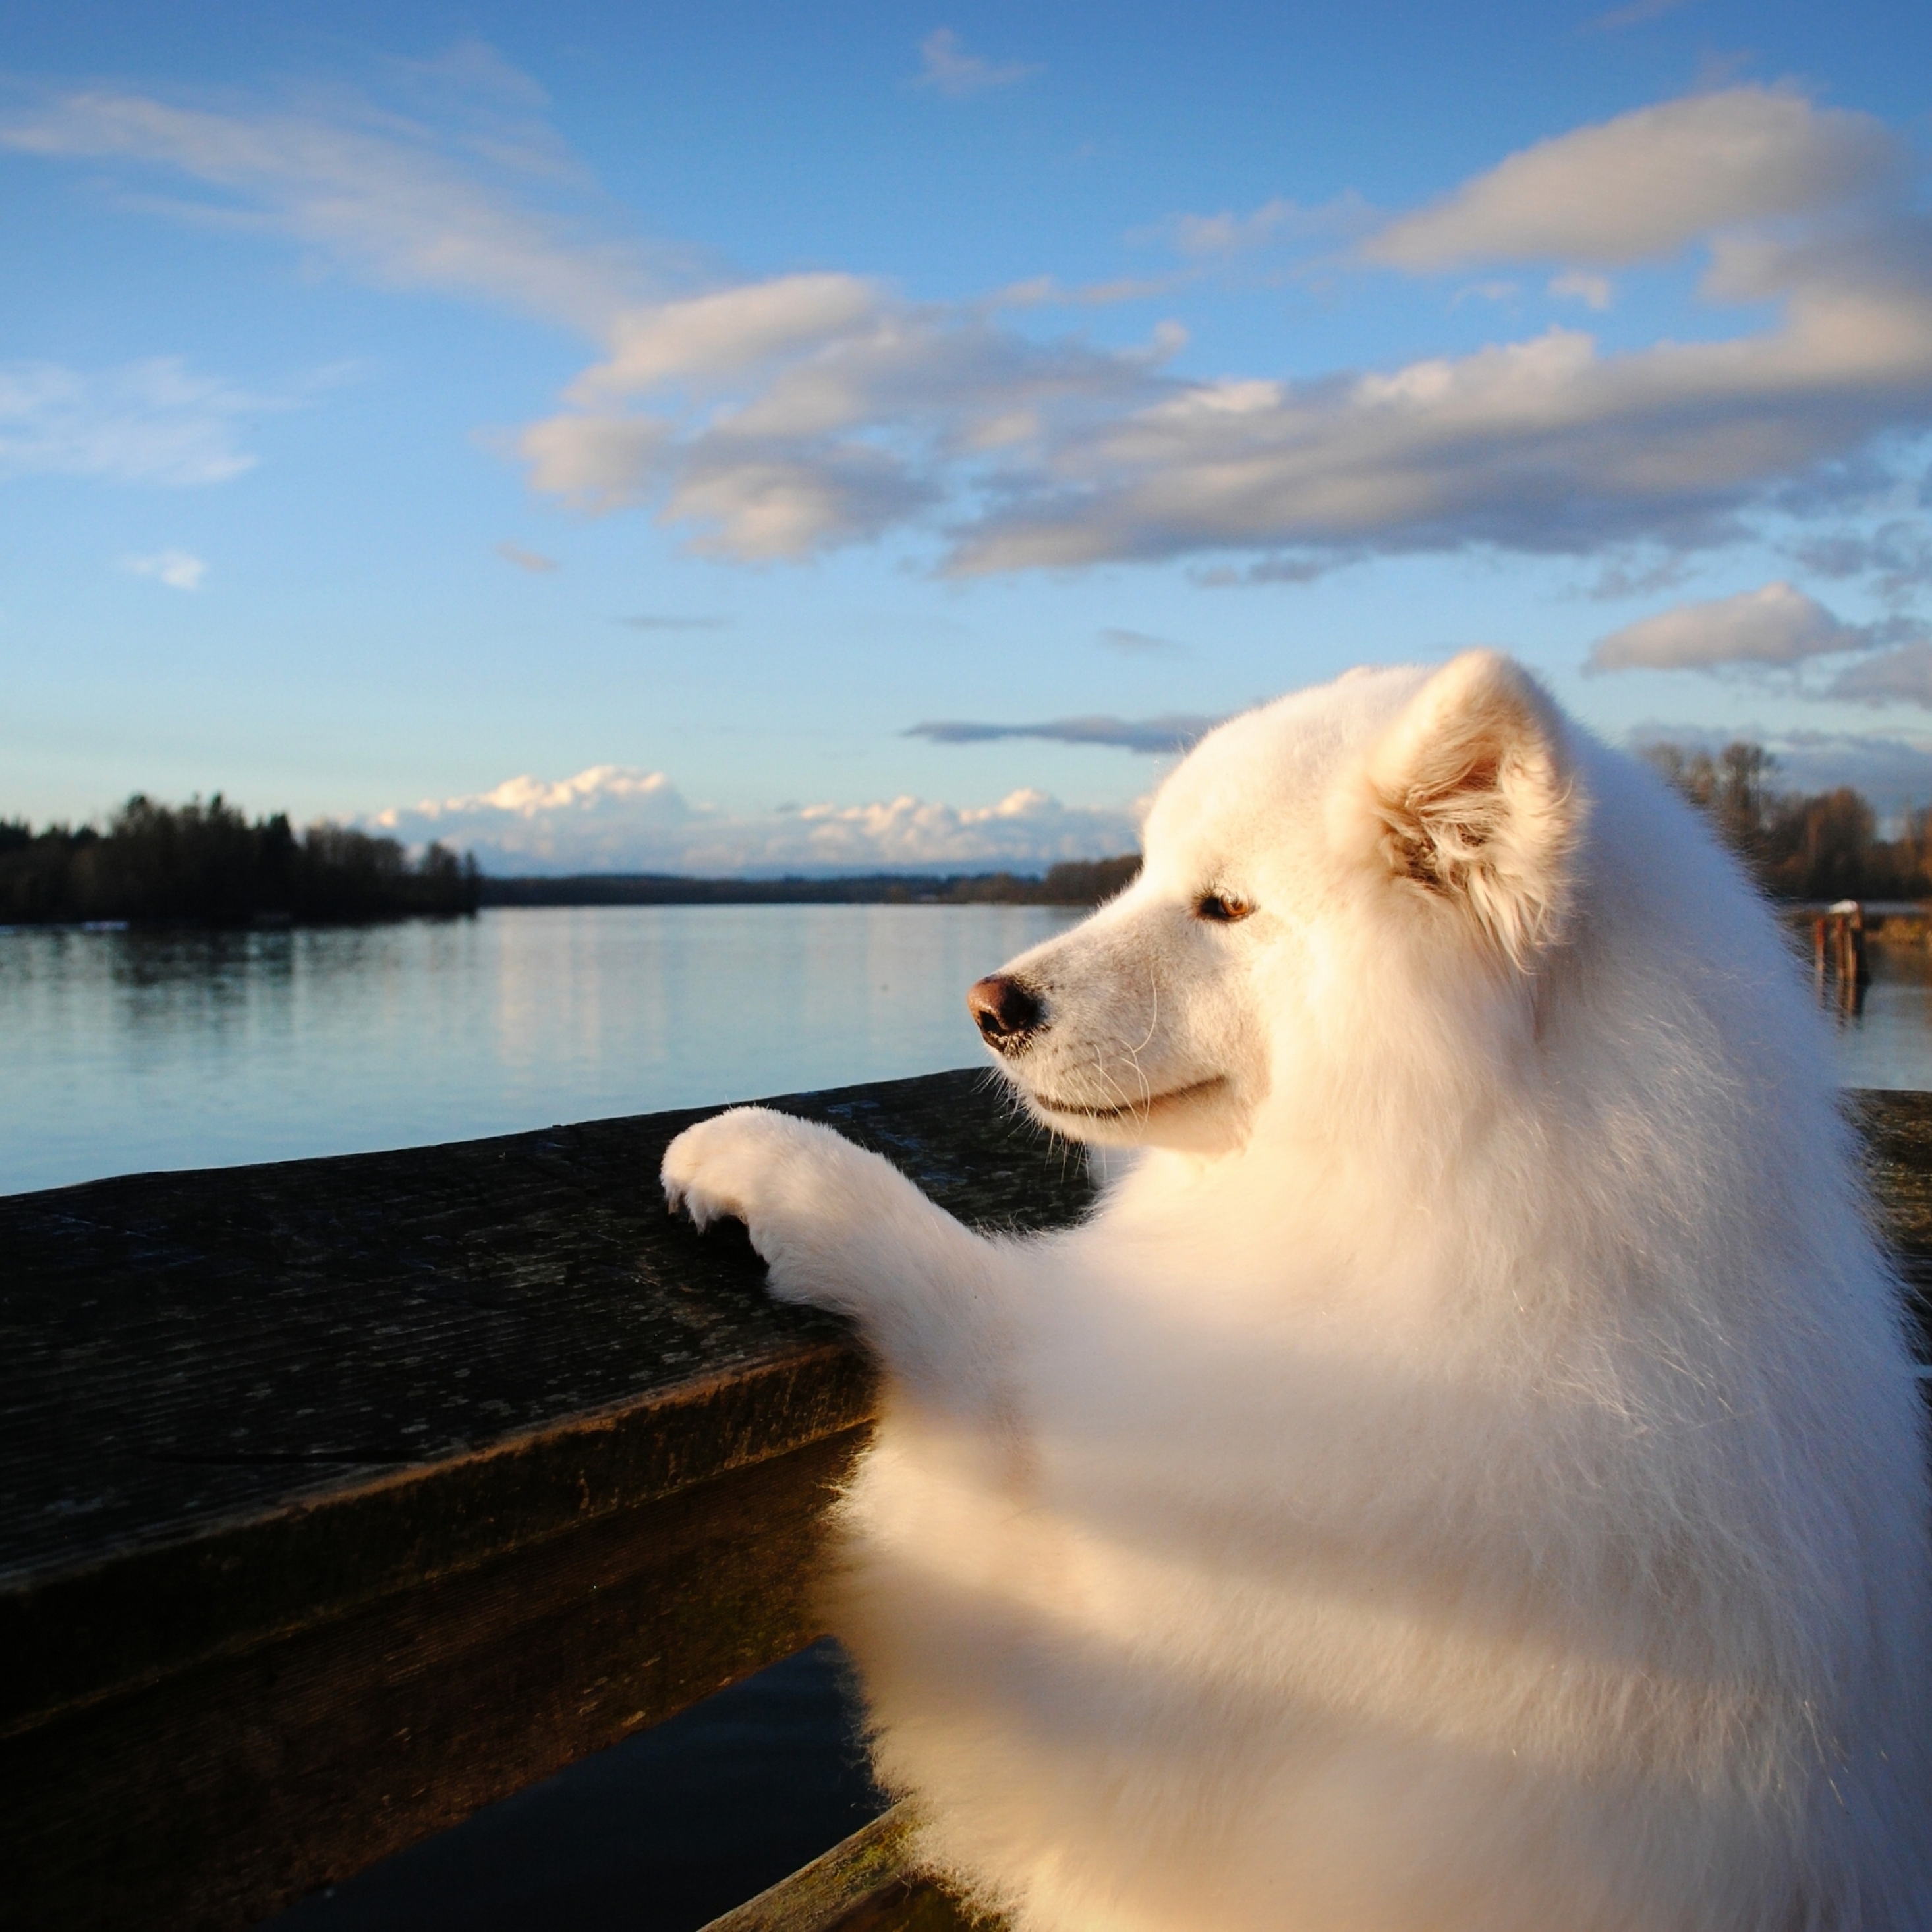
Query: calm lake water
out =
(121, 1051)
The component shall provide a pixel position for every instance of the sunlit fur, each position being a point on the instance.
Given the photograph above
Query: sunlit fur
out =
(1467, 1473)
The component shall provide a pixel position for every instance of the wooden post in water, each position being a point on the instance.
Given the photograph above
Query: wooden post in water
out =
(1839, 934)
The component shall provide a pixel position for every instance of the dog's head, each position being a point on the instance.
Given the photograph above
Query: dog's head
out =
(1318, 873)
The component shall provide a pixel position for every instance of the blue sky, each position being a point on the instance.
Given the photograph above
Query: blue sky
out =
(603, 437)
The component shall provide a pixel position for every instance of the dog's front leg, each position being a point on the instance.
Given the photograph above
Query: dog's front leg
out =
(840, 1228)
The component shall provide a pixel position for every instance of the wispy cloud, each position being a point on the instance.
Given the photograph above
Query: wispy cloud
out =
(533, 561)
(1634, 15)
(1139, 643)
(178, 569)
(1045, 292)
(1903, 676)
(1172, 732)
(464, 199)
(615, 818)
(1892, 771)
(1494, 290)
(947, 68)
(1895, 557)
(1273, 224)
(144, 422)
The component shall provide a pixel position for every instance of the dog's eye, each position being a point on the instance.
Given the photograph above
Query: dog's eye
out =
(1222, 907)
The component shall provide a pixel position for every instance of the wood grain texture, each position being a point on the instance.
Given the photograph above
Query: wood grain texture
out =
(213, 1796)
(827, 1893)
(862, 1885)
(232, 1401)
(338, 1498)
(1896, 1132)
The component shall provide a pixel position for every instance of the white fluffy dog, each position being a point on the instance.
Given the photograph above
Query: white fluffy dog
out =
(1468, 1473)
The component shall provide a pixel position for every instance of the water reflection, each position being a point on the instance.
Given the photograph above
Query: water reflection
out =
(1884, 1026)
(121, 1051)
(125, 1051)
(1840, 966)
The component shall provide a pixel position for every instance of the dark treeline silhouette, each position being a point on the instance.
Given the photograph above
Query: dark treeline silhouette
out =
(211, 865)
(1076, 882)
(1800, 845)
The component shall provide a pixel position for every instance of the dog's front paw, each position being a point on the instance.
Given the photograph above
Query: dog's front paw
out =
(797, 1186)
(721, 1169)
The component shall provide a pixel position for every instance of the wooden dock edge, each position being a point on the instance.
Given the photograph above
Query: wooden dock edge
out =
(215, 1795)
(865, 1884)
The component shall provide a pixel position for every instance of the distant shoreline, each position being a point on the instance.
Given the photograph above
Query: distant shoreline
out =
(1073, 883)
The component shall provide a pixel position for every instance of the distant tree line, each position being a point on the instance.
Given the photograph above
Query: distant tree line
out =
(1075, 882)
(210, 864)
(1800, 845)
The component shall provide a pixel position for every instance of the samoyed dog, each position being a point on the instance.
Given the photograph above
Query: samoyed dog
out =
(1467, 1472)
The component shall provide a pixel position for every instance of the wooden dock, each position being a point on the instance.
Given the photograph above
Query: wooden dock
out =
(341, 1498)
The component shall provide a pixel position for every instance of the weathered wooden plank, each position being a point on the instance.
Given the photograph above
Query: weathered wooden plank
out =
(340, 1497)
(862, 1884)
(231, 1402)
(1897, 1129)
(825, 1894)
(213, 1796)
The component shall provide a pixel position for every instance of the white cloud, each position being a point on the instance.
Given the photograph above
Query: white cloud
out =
(533, 561)
(178, 569)
(727, 332)
(448, 202)
(853, 412)
(783, 417)
(610, 818)
(1543, 444)
(1778, 624)
(596, 462)
(145, 422)
(945, 66)
(1648, 182)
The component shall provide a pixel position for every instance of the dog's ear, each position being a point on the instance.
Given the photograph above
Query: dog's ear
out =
(1472, 798)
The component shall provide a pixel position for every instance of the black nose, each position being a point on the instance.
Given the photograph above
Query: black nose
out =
(1005, 1011)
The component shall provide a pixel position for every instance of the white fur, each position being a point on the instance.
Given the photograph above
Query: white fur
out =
(1467, 1473)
